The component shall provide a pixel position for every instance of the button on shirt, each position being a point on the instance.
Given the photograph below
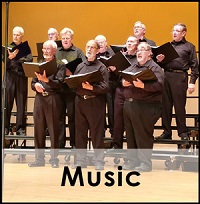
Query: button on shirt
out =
(98, 88)
(152, 91)
(187, 59)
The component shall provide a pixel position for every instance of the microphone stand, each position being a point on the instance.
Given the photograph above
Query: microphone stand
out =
(4, 90)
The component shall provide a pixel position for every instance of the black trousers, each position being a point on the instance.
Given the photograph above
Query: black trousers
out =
(16, 89)
(89, 116)
(110, 97)
(68, 104)
(118, 130)
(47, 114)
(174, 95)
(121, 94)
(139, 120)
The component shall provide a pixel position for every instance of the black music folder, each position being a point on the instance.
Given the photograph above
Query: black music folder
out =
(59, 43)
(40, 46)
(39, 51)
(73, 64)
(4, 48)
(119, 60)
(145, 75)
(31, 67)
(118, 48)
(166, 49)
(74, 81)
(24, 50)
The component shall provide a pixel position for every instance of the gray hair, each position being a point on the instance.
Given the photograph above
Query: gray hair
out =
(145, 45)
(141, 24)
(184, 28)
(52, 30)
(101, 37)
(51, 42)
(19, 29)
(67, 30)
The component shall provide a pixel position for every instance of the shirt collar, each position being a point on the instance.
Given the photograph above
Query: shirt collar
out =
(90, 62)
(143, 40)
(13, 44)
(72, 47)
(183, 41)
(106, 54)
(147, 64)
(130, 56)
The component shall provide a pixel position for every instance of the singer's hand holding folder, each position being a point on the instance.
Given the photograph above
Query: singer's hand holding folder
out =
(145, 75)
(166, 49)
(119, 60)
(4, 49)
(118, 48)
(23, 48)
(74, 81)
(31, 67)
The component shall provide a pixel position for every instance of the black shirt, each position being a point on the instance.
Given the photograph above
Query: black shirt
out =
(98, 88)
(13, 64)
(152, 91)
(150, 42)
(55, 81)
(187, 59)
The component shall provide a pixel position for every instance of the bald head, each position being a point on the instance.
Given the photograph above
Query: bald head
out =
(101, 40)
(53, 34)
(92, 48)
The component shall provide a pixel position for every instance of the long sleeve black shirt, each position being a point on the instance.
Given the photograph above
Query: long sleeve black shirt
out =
(98, 88)
(13, 64)
(55, 83)
(152, 91)
(187, 60)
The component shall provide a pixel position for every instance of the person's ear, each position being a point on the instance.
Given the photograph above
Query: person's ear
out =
(183, 33)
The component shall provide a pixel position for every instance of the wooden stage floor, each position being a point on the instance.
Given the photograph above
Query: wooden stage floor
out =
(43, 184)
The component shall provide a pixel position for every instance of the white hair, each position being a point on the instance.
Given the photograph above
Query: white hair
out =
(141, 24)
(18, 29)
(52, 30)
(51, 42)
(100, 37)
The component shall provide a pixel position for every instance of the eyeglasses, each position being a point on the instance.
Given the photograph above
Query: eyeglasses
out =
(46, 49)
(178, 31)
(51, 34)
(142, 50)
(132, 42)
(17, 35)
(91, 47)
(101, 42)
(138, 27)
(65, 38)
